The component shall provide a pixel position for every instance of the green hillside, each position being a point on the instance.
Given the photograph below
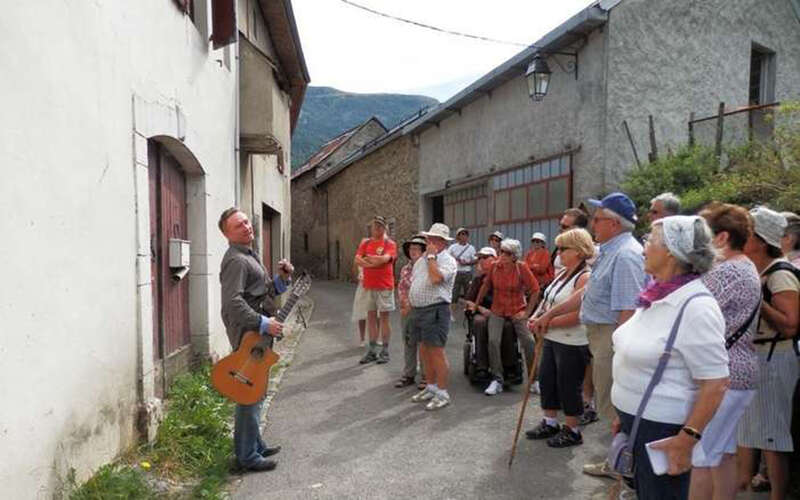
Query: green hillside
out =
(328, 112)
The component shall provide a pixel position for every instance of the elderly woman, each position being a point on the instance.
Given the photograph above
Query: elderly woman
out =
(413, 250)
(538, 260)
(766, 424)
(695, 376)
(734, 282)
(565, 351)
(509, 280)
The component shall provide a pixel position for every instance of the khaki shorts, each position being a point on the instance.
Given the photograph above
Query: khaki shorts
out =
(373, 300)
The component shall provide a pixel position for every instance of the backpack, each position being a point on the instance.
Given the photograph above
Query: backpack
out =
(767, 295)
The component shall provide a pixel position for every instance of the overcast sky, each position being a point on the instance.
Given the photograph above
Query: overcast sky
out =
(357, 51)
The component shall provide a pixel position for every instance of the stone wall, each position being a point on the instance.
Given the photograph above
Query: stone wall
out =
(309, 205)
(385, 182)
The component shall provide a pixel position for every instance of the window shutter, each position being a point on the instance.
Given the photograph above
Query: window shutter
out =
(223, 18)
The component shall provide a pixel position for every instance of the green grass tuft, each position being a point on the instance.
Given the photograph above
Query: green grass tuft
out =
(114, 481)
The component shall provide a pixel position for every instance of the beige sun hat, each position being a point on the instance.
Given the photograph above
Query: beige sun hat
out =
(769, 224)
(439, 230)
(487, 252)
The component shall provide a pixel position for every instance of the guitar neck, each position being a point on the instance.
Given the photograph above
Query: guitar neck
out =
(283, 313)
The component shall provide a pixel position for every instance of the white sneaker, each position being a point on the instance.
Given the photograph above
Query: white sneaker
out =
(422, 396)
(437, 402)
(494, 388)
(535, 388)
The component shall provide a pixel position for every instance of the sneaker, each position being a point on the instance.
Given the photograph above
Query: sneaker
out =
(437, 402)
(383, 357)
(369, 357)
(494, 388)
(589, 416)
(542, 431)
(535, 387)
(422, 396)
(601, 469)
(566, 437)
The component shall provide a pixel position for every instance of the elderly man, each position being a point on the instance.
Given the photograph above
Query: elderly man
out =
(432, 280)
(464, 253)
(247, 305)
(610, 297)
(664, 205)
(494, 241)
(376, 257)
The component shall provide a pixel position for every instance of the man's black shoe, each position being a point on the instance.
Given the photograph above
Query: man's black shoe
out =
(263, 466)
(268, 452)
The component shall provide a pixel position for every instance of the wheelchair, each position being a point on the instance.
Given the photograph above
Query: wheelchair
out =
(476, 353)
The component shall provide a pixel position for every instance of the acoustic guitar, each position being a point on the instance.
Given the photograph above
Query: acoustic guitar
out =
(243, 375)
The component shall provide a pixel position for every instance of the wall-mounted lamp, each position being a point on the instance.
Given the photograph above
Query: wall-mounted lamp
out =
(538, 74)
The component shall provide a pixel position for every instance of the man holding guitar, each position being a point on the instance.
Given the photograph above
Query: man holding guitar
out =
(247, 305)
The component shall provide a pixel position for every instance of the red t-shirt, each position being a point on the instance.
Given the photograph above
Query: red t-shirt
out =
(378, 278)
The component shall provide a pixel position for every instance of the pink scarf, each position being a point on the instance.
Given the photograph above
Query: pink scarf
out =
(658, 290)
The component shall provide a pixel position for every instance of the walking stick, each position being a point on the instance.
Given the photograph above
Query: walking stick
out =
(531, 375)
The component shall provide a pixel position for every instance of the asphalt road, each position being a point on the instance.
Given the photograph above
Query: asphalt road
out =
(347, 432)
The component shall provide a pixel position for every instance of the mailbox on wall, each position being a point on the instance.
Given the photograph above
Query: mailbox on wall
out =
(179, 253)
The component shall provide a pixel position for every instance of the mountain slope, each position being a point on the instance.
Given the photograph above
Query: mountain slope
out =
(328, 112)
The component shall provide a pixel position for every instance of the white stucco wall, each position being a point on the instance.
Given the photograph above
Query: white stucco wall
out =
(68, 308)
(509, 129)
(672, 58)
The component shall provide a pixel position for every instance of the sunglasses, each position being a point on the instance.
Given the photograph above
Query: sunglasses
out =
(561, 249)
(481, 257)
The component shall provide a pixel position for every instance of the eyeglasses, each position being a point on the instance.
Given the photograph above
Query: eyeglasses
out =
(561, 249)
(481, 257)
(495, 239)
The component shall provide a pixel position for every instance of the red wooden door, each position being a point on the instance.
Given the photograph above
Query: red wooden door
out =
(171, 314)
(266, 241)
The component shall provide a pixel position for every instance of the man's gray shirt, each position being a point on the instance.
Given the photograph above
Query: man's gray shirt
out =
(247, 292)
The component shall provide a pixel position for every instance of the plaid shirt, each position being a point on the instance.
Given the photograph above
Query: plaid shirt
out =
(509, 284)
(617, 279)
(424, 293)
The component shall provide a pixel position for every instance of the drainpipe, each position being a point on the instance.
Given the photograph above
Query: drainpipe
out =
(237, 195)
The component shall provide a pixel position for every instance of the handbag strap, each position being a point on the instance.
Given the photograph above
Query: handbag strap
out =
(662, 365)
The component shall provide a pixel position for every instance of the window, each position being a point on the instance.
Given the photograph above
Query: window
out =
(762, 75)
(466, 208)
(536, 192)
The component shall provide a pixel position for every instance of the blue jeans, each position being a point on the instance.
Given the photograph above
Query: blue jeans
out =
(648, 485)
(247, 442)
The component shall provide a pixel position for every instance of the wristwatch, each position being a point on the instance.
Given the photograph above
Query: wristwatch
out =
(431, 256)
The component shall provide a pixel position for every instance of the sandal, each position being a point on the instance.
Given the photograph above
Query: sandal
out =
(422, 384)
(404, 382)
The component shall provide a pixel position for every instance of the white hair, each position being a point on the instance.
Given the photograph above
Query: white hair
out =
(670, 202)
(626, 225)
(513, 246)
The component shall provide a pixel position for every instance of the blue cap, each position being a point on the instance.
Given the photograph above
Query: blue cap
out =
(619, 203)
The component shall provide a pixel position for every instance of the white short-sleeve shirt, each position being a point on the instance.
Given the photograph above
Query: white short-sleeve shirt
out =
(698, 354)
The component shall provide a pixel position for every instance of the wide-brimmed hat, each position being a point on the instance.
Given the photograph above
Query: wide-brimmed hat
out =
(462, 230)
(380, 220)
(486, 252)
(497, 234)
(417, 239)
(619, 203)
(539, 236)
(438, 230)
(769, 224)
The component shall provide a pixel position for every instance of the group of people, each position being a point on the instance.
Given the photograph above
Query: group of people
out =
(687, 344)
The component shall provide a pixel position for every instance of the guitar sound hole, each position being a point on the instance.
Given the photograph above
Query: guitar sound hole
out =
(257, 352)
